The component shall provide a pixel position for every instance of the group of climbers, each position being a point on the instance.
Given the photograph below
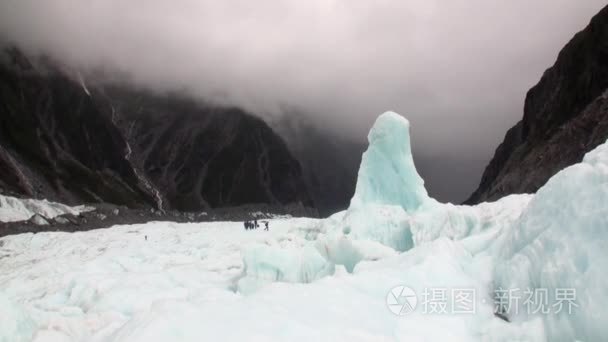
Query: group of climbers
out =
(254, 225)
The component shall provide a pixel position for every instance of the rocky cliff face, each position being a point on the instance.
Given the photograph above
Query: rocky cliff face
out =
(73, 142)
(56, 144)
(565, 116)
(330, 163)
(200, 156)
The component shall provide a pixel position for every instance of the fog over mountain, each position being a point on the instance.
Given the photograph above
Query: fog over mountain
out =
(459, 70)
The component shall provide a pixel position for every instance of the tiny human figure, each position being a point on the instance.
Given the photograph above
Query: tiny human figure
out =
(146, 237)
(266, 224)
(256, 224)
(246, 225)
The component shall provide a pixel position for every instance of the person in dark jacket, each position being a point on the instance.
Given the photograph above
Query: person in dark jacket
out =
(266, 224)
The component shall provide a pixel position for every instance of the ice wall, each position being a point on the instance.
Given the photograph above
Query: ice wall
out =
(264, 264)
(386, 224)
(560, 243)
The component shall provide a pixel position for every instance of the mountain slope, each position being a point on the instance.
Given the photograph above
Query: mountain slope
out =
(565, 116)
(201, 156)
(64, 140)
(55, 143)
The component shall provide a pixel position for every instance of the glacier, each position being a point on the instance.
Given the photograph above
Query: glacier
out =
(328, 280)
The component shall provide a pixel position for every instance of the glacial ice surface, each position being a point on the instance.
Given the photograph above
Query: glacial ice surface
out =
(327, 280)
(560, 242)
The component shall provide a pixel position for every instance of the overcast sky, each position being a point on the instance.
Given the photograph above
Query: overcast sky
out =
(457, 69)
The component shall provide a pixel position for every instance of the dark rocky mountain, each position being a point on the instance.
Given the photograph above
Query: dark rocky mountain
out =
(55, 143)
(565, 116)
(330, 163)
(200, 156)
(63, 140)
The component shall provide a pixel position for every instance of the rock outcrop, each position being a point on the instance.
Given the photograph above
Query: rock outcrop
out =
(565, 116)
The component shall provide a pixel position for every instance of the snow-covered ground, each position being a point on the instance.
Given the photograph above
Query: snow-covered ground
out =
(180, 285)
(345, 278)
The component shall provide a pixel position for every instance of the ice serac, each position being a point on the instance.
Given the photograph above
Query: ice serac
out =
(387, 175)
(392, 207)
